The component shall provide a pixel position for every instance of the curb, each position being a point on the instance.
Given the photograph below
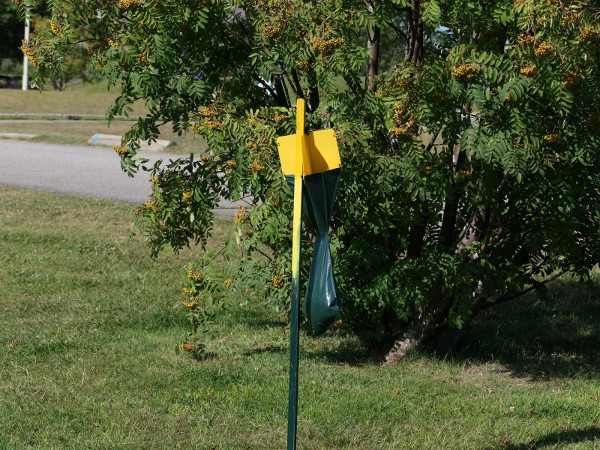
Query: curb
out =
(17, 136)
(37, 116)
(113, 139)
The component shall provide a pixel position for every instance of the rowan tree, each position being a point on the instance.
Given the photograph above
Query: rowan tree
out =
(470, 161)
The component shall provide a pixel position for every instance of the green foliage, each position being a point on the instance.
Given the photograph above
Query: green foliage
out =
(470, 169)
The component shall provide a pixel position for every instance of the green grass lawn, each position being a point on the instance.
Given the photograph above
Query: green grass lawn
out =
(87, 99)
(89, 326)
(78, 132)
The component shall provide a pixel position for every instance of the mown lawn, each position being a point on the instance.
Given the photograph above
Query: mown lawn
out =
(89, 327)
(88, 99)
(79, 132)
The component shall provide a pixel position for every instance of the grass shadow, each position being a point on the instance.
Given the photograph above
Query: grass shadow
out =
(588, 434)
(256, 316)
(335, 346)
(538, 338)
(349, 351)
(533, 337)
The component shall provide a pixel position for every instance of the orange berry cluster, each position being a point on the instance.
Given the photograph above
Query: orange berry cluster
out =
(121, 151)
(303, 64)
(270, 32)
(526, 40)
(231, 163)
(400, 113)
(402, 120)
(212, 124)
(142, 58)
(464, 72)
(149, 205)
(241, 216)
(55, 27)
(113, 43)
(544, 49)
(209, 112)
(256, 166)
(29, 49)
(279, 117)
(588, 35)
(190, 303)
(326, 46)
(194, 276)
(209, 121)
(571, 79)
(188, 347)
(128, 4)
(400, 131)
(569, 19)
(402, 84)
(542, 21)
(529, 71)
(228, 283)
(277, 281)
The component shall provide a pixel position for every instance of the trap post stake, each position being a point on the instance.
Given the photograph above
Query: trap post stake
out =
(295, 304)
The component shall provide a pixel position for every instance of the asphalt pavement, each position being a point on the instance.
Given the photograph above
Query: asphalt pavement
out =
(93, 172)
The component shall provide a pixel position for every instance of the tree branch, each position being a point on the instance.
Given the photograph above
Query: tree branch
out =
(483, 306)
(401, 34)
(313, 91)
(451, 204)
(373, 40)
(298, 89)
(417, 234)
(414, 47)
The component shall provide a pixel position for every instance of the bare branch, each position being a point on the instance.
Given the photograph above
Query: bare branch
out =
(298, 89)
(504, 299)
(401, 34)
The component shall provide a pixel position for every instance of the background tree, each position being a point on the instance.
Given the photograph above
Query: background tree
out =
(470, 163)
(75, 63)
(12, 31)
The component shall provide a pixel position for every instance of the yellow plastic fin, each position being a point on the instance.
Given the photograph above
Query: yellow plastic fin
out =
(323, 153)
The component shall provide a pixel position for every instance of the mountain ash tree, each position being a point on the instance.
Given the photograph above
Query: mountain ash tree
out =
(469, 133)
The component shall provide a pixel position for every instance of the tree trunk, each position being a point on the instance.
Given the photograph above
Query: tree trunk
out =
(414, 41)
(59, 84)
(373, 39)
(430, 328)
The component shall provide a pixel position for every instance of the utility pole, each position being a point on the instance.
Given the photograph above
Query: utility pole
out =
(25, 82)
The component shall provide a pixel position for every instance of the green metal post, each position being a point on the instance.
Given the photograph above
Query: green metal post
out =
(296, 230)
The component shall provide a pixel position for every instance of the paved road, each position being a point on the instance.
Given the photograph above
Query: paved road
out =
(93, 172)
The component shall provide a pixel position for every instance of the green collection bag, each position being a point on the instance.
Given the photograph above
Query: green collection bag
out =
(321, 302)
